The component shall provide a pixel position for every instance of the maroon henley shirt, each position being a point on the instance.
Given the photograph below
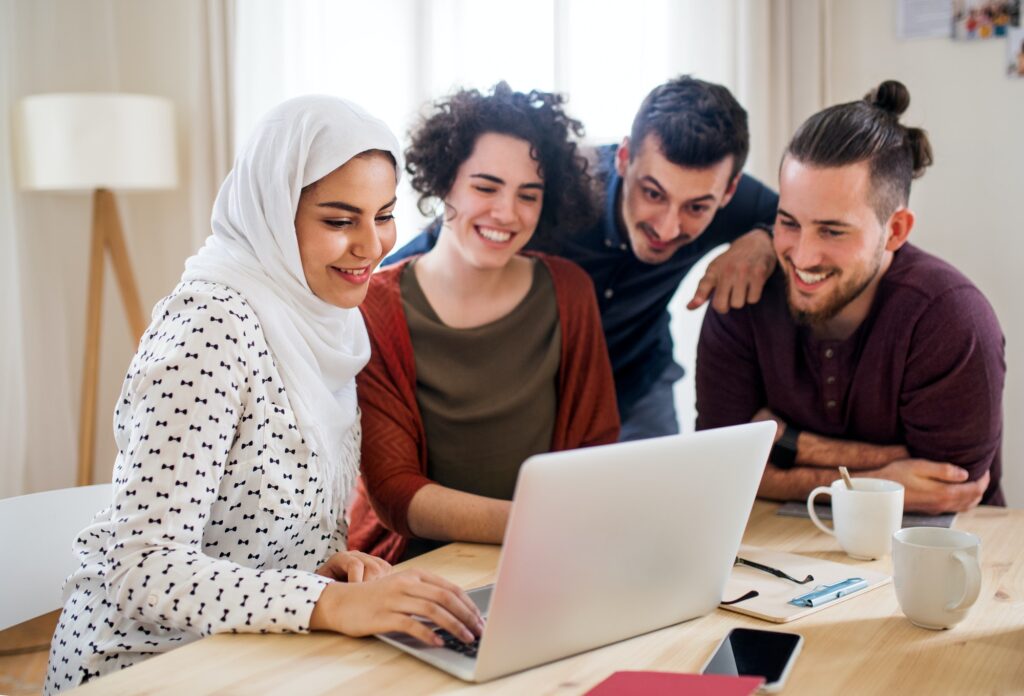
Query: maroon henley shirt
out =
(925, 369)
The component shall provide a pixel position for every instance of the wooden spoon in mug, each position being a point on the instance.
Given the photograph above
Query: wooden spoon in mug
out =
(846, 477)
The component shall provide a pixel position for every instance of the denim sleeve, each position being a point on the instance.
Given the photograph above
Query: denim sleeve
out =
(420, 244)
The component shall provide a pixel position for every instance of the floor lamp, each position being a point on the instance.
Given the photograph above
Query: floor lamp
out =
(74, 143)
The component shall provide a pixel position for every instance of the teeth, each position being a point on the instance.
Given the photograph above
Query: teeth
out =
(493, 234)
(810, 278)
(352, 271)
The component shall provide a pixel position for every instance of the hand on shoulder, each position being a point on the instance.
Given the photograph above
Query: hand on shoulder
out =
(737, 277)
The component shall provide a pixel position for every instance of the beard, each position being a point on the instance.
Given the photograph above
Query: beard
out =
(846, 292)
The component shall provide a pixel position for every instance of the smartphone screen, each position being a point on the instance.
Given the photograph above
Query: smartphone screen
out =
(748, 652)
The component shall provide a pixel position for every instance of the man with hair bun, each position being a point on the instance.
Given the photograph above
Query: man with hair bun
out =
(865, 350)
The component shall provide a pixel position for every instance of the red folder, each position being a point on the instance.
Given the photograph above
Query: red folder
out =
(675, 684)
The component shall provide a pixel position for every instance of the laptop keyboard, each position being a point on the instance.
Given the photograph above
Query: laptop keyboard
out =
(453, 643)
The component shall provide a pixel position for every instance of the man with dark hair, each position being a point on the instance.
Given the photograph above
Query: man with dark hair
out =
(669, 194)
(866, 351)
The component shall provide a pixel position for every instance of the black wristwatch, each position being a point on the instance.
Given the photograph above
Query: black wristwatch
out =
(784, 451)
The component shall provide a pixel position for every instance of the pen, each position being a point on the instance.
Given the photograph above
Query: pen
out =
(828, 593)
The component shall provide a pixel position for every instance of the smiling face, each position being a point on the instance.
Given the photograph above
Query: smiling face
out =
(664, 205)
(494, 203)
(831, 244)
(345, 226)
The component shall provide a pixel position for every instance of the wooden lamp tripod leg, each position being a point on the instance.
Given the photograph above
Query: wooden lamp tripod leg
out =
(106, 234)
(123, 270)
(90, 369)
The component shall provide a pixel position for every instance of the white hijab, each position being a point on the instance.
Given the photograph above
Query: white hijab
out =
(318, 347)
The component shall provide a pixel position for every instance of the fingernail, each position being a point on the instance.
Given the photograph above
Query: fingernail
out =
(438, 641)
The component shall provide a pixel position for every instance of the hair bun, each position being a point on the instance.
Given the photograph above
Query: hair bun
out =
(890, 96)
(920, 150)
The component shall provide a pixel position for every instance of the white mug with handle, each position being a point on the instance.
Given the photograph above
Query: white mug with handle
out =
(937, 574)
(865, 518)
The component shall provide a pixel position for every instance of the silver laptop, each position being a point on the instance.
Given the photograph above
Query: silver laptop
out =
(606, 543)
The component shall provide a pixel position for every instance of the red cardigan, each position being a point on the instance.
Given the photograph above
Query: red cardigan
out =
(394, 454)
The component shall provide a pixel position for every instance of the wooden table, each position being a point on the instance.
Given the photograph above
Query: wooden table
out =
(864, 645)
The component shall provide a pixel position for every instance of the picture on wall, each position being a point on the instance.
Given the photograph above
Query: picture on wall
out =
(1015, 52)
(924, 19)
(984, 19)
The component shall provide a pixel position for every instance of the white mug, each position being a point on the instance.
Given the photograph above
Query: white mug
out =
(864, 518)
(937, 574)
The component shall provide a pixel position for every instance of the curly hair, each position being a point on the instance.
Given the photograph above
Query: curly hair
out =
(443, 140)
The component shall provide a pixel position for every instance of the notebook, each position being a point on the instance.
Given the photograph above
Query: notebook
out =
(773, 593)
(674, 684)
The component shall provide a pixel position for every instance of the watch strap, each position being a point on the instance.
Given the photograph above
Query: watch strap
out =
(783, 453)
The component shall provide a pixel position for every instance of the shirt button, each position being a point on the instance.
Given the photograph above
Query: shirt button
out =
(152, 600)
(622, 247)
(608, 243)
(830, 404)
(830, 380)
(608, 293)
(829, 352)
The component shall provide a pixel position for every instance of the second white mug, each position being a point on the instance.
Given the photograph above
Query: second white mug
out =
(936, 573)
(865, 518)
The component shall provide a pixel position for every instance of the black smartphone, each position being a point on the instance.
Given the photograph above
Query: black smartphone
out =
(749, 652)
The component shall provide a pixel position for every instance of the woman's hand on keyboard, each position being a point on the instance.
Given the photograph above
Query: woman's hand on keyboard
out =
(389, 603)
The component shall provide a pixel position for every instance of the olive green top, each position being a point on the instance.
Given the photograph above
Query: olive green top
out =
(487, 394)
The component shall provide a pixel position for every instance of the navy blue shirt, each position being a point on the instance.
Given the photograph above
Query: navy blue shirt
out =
(633, 296)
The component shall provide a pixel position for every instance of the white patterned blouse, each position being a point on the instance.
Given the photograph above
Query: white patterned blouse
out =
(218, 516)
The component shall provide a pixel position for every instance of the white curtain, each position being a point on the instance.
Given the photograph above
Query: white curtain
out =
(394, 56)
(12, 344)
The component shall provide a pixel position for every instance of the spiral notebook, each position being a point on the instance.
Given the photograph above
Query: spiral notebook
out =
(773, 593)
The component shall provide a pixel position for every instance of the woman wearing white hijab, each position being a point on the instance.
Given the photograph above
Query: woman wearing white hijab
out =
(237, 427)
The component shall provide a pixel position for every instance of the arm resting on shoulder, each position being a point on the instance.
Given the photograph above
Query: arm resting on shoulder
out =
(737, 277)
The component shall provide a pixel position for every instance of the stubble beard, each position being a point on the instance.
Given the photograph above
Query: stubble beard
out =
(842, 296)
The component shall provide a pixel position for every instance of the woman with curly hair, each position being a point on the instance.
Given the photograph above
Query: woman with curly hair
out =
(481, 355)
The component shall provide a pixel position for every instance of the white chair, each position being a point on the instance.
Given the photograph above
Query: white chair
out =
(36, 535)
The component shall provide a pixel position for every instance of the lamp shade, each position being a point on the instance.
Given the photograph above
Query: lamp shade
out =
(82, 142)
